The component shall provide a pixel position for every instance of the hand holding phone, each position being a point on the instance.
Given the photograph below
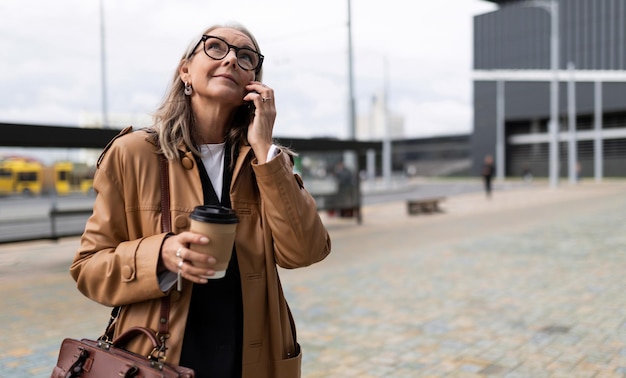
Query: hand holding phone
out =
(261, 124)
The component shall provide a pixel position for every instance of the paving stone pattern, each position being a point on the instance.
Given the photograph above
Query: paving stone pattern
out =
(530, 283)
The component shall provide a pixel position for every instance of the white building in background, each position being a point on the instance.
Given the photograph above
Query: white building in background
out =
(372, 125)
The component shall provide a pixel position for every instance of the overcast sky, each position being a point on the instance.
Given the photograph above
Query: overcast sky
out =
(50, 58)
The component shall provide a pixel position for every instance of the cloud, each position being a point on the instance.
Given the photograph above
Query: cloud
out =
(43, 114)
(434, 118)
(309, 105)
(50, 71)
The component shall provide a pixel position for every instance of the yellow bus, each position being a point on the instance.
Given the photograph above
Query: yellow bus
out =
(70, 177)
(20, 176)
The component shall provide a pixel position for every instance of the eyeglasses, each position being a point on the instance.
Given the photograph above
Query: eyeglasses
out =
(216, 48)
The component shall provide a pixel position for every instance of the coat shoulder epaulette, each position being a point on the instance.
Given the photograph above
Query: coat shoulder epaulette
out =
(126, 130)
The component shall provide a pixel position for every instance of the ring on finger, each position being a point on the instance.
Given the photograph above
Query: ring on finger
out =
(178, 251)
(263, 99)
(180, 264)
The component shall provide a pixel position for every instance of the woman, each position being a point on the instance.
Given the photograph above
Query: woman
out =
(215, 129)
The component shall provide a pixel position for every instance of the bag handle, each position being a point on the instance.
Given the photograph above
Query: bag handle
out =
(122, 340)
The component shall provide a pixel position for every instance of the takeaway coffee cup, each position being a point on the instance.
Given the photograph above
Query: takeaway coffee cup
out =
(218, 223)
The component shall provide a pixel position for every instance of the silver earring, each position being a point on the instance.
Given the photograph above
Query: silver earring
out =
(188, 89)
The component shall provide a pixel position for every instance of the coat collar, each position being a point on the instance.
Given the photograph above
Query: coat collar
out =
(244, 151)
(187, 159)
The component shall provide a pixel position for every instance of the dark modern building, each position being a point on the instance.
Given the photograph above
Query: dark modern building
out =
(526, 49)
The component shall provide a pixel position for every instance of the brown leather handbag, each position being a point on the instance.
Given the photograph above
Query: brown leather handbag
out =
(105, 358)
(99, 358)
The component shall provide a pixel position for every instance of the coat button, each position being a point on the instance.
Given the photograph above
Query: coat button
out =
(127, 273)
(181, 222)
(187, 162)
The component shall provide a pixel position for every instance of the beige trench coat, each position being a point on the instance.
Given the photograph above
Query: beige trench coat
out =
(116, 263)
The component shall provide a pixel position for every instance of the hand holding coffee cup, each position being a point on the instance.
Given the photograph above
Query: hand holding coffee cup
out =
(219, 224)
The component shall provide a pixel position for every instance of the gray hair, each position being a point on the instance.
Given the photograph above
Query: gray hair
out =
(174, 120)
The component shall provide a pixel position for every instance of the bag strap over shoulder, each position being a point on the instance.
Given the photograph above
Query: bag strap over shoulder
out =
(166, 222)
(166, 226)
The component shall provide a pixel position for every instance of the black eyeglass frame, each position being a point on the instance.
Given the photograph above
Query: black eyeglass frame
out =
(233, 47)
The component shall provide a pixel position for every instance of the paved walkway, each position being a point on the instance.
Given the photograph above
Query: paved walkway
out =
(530, 283)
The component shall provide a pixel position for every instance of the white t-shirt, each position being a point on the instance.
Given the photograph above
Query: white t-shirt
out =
(213, 160)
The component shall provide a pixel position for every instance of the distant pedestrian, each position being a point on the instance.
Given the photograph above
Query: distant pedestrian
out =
(488, 174)
(346, 185)
(527, 175)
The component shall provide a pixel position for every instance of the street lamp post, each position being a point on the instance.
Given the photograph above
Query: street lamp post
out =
(105, 116)
(552, 7)
(572, 149)
(554, 94)
(500, 139)
(387, 164)
(351, 105)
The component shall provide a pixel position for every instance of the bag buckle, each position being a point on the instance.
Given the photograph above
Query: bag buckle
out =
(158, 352)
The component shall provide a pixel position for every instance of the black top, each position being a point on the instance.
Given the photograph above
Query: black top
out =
(212, 345)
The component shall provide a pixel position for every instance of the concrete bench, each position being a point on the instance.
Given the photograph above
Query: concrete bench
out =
(424, 205)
